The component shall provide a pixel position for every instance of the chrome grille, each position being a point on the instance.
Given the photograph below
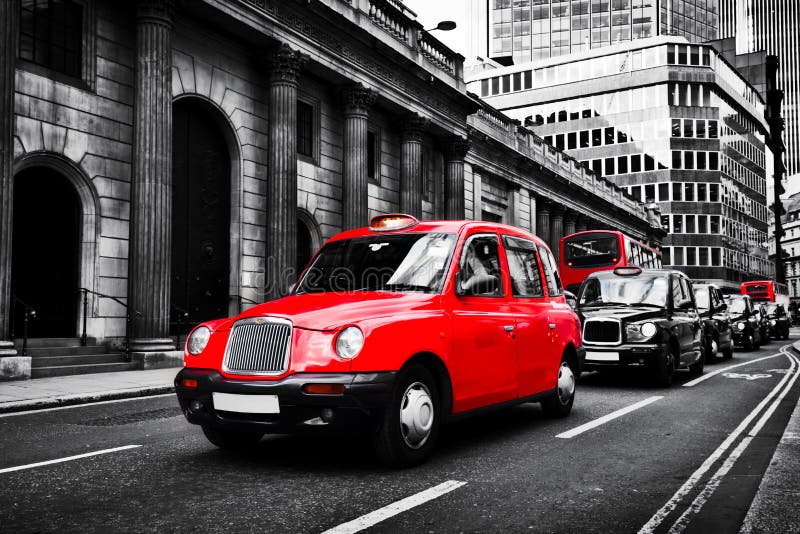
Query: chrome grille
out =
(258, 346)
(602, 331)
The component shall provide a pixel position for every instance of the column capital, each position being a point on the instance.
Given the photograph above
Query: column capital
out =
(414, 127)
(457, 149)
(543, 204)
(157, 11)
(358, 99)
(286, 64)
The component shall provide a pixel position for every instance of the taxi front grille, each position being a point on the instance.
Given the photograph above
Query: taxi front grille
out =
(258, 346)
(607, 331)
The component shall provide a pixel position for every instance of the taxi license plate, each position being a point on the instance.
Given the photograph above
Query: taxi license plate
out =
(230, 402)
(602, 356)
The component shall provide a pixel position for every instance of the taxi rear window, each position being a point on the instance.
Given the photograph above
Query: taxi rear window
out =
(403, 262)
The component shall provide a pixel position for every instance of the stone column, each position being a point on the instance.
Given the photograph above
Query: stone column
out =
(358, 100)
(454, 179)
(411, 166)
(282, 173)
(543, 219)
(151, 183)
(556, 227)
(570, 221)
(10, 366)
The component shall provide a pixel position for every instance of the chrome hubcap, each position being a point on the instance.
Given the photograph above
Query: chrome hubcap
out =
(566, 383)
(416, 415)
(714, 348)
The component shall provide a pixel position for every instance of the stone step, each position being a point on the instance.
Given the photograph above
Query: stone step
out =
(81, 359)
(65, 370)
(37, 352)
(53, 342)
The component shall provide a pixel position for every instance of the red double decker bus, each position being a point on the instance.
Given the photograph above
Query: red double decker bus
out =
(766, 291)
(599, 250)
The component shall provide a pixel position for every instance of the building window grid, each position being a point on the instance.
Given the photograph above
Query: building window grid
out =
(51, 35)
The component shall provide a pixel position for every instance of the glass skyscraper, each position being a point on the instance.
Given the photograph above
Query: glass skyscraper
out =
(525, 30)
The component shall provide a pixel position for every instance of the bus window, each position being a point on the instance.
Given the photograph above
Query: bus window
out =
(588, 251)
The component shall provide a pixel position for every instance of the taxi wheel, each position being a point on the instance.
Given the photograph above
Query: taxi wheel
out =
(727, 354)
(748, 343)
(410, 425)
(664, 368)
(559, 404)
(230, 440)
(696, 369)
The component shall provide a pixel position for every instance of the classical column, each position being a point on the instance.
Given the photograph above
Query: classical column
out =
(570, 221)
(543, 219)
(454, 179)
(151, 182)
(411, 166)
(282, 173)
(556, 227)
(358, 100)
(9, 17)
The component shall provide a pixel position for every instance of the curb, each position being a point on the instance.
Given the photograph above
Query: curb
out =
(83, 398)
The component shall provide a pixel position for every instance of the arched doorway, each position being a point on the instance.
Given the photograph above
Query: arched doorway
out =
(45, 252)
(201, 178)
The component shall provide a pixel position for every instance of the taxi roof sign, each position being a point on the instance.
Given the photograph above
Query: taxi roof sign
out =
(391, 221)
(628, 270)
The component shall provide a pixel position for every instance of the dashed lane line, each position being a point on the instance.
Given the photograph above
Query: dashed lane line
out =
(609, 417)
(398, 507)
(67, 459)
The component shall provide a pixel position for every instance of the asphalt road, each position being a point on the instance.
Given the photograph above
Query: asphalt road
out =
(681, 458)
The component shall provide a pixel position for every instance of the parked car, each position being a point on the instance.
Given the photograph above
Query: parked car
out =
(713, 311)
(641, 317)
(748, 326)
(778, 320)
(394, 328)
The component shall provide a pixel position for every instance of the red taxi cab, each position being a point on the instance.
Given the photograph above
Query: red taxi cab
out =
(396, 328)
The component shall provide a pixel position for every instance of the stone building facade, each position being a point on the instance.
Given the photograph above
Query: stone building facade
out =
(170, 162)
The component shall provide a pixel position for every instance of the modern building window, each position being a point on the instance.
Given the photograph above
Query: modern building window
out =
(636, 162)
(690, 224)
(51, 35)
(691, 256)
(677, 224)
(305, 129)
(715, 257)
(572, 140)
(703, 256)
(663, 192)
(609, 164)
(584, 139)
(677, 191)
(622, 164)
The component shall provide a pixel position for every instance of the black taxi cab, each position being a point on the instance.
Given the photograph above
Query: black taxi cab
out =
(718, 334)
(641, 317)
(749, 327)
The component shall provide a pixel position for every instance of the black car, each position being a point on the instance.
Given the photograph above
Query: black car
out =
(778, 320)
(641, 317)
(749, 328)
(717, 333)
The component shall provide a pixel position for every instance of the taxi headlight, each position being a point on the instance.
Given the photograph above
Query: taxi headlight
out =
(198, 340)
(349, 342)
(648, 329)
(740, 326)
(772, 322)
(640, 332)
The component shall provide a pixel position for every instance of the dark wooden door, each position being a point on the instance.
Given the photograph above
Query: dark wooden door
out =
(200, 218)
(45, 253)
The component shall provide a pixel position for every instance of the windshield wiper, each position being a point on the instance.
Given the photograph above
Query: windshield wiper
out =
(407, 287)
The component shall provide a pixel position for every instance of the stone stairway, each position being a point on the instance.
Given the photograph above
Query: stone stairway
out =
(66, 356)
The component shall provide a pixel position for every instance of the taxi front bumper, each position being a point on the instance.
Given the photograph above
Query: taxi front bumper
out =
(360, 406)
(626, 354)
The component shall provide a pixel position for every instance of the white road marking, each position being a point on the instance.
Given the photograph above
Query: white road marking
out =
(683, 521)
(365, 521)
(42, 410)
(689, 485)
(606, 418)
(746, 376)
(712, 374)
(67, 459)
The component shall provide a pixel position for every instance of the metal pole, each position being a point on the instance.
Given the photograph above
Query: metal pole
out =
(85, 300)
(25, 332)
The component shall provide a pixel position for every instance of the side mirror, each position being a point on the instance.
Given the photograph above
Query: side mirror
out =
(572, 300)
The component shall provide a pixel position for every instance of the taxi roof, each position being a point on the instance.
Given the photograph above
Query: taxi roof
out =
(436, 226)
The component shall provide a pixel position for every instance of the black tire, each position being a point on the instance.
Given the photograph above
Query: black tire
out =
(664, 368)
(559, 404)
(396, 443)
(231, 440)
(696, 369)
(748, 343)
(727, 354)
(709, 352)
(756, 340)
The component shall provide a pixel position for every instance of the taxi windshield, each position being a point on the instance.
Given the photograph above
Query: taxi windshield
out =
(400, 262)
(737, 306)
(642, 290)
(701, 298)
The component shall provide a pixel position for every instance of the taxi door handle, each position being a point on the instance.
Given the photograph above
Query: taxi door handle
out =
(509, 328)
(552, 326)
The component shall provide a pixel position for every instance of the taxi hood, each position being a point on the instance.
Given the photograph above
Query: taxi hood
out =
(330, 310)
(626, 314)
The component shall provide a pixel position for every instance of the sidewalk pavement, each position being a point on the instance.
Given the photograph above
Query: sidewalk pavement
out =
(41, 393)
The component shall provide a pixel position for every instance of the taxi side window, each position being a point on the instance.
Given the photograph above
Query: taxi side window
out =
(679, 296)
(523, 268)
(480, 267)
(550, 272)
(687, 289)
